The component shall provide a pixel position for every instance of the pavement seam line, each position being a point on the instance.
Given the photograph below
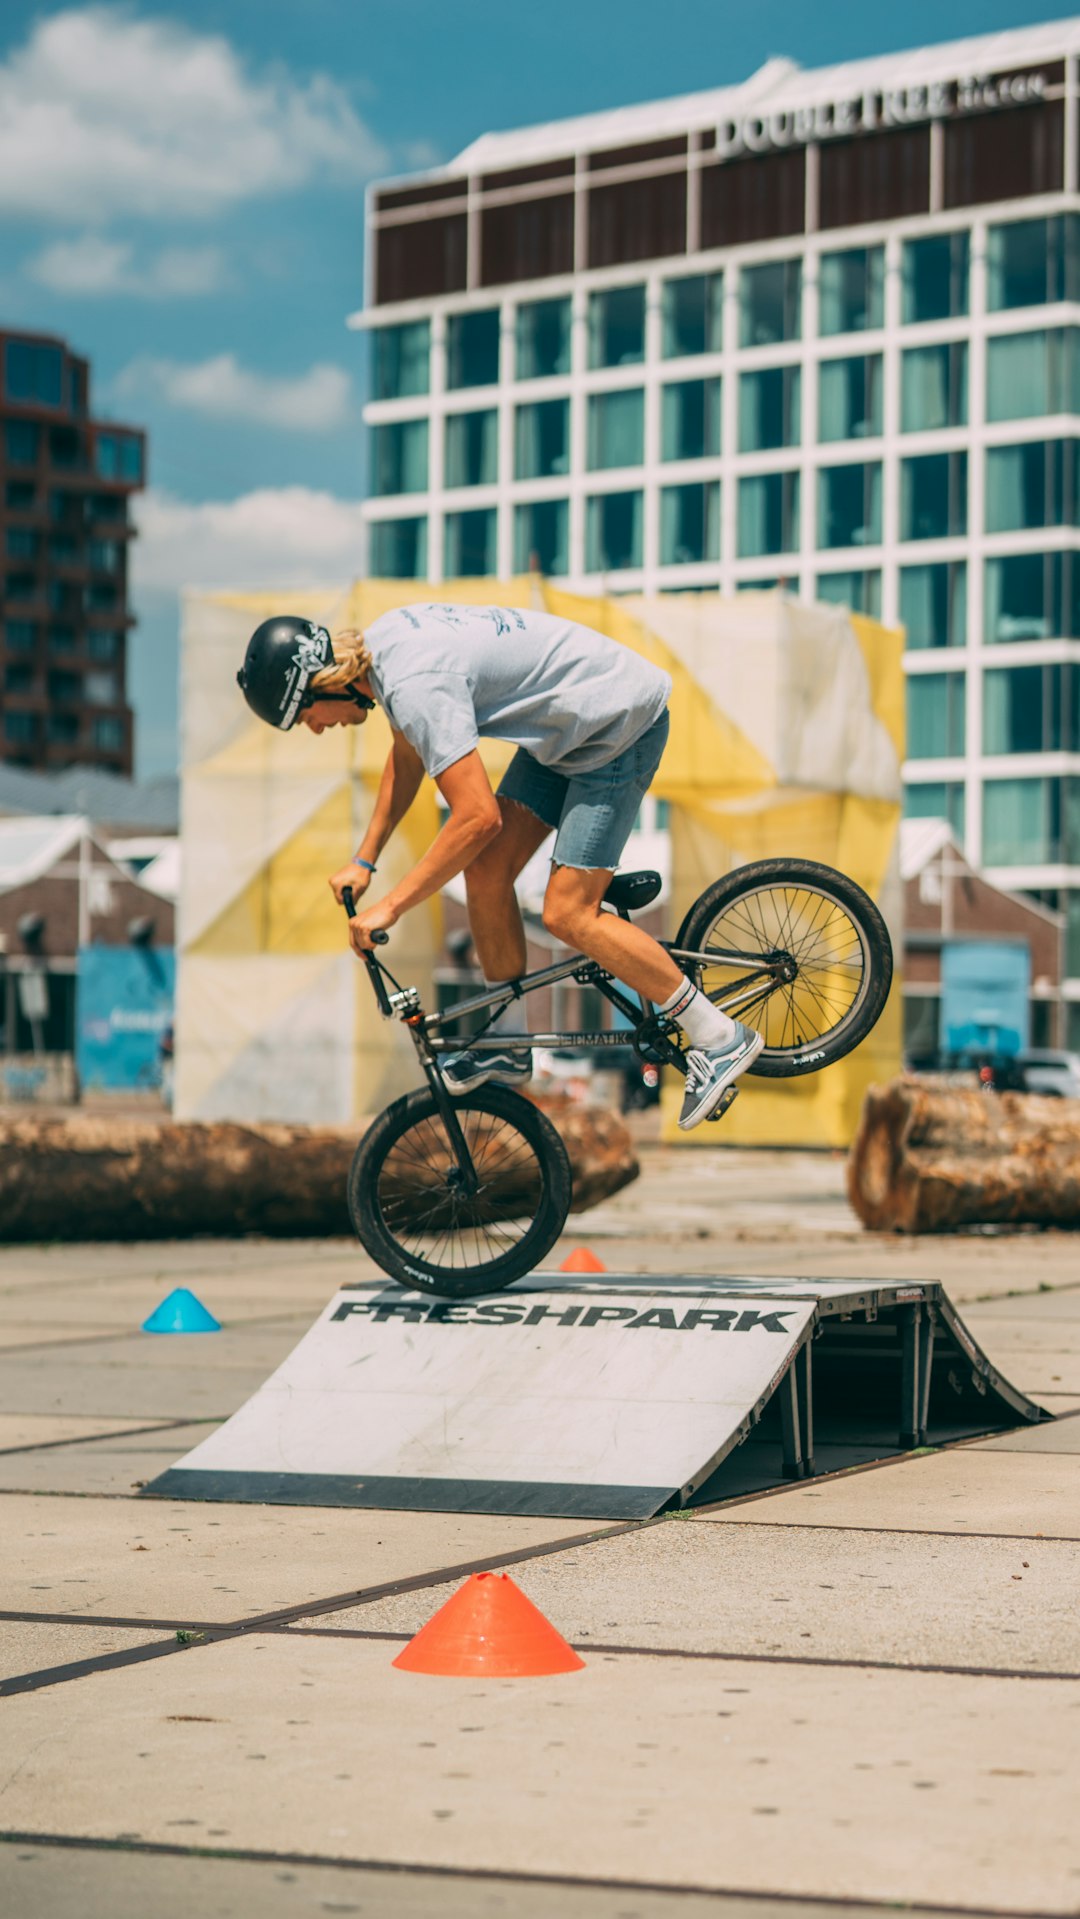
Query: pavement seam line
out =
(94, 1439)
(490, 1875)
(726, 1658)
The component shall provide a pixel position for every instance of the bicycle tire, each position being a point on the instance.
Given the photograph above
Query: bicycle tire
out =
(389, 1200)
(761, 881)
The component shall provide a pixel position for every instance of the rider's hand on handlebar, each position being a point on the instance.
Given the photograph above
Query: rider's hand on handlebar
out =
(356, 877)
(376, 919)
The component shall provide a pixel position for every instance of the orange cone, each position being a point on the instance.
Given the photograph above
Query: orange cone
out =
(488, 1629)
(583, 1261)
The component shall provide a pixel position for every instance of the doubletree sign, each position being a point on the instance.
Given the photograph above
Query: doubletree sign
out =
(875, 109)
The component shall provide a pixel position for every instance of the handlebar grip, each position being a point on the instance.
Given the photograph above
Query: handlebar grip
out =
(378, 938)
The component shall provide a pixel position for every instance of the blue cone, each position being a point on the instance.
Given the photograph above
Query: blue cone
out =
(181, 1312)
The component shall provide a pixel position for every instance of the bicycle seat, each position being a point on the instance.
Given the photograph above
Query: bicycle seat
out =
(629, 892)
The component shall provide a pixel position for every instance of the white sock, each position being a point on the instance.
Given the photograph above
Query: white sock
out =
(513, 1018)
(702, 1022)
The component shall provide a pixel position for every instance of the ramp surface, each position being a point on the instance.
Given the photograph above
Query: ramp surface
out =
(605, 1399)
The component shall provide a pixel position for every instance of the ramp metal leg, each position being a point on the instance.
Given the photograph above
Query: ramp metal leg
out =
(804, 1361)
(794, 1466)
(927, 1355)
(911, 1378)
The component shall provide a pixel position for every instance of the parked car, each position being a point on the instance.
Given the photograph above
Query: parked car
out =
(1050, 1072)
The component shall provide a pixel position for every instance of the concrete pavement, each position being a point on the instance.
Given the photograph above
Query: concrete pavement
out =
(864, 1689)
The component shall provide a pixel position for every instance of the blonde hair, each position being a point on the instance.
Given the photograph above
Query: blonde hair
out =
(352, 661)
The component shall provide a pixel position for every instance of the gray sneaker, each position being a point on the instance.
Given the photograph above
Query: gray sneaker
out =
(463, 1072)
(711, 1071)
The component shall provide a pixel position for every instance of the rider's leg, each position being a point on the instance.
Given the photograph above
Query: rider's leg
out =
(499, 938)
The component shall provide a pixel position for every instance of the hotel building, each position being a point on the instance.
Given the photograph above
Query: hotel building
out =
(819, 329)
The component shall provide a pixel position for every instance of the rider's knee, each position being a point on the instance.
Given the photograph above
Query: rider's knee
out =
(562, 920)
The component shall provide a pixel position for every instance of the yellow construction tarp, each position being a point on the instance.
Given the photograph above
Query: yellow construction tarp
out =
(786, 738)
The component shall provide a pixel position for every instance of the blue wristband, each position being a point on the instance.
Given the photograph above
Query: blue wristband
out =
(359, 862)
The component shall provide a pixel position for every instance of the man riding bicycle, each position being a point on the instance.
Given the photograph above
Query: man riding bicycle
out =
(589, 720)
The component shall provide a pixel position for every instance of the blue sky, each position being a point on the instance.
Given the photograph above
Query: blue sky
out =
(181, 197)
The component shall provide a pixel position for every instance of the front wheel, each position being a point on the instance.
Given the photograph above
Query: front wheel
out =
(798, 952)
(423, 1227)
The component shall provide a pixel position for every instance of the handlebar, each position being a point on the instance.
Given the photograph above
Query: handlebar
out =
(374, 970)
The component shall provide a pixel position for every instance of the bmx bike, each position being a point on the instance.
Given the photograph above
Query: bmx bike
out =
(462, 1195)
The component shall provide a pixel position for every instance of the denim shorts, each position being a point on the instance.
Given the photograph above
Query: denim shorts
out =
(593, 812)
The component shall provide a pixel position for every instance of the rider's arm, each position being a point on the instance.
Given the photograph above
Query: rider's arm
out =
(474, 820)
(398, 787)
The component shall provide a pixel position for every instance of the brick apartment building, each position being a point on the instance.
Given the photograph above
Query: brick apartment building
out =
(65, 483)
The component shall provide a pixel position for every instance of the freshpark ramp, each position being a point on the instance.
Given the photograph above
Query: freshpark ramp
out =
(605, 1399)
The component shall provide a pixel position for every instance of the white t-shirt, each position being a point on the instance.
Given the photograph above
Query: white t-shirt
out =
(448, 674)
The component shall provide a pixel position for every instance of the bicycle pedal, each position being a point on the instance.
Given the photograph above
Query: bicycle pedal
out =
(727, 1098)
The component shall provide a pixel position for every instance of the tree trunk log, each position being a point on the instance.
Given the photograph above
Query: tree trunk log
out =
(98, 1178)
(928, 1158)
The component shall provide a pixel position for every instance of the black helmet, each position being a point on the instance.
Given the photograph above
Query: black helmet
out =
(283, 656)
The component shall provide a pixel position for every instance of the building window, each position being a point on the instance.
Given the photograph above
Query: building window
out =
(100, 689)
(21, 586)
(935, 278)
(883, 175)
(472, 349)
(1033, 484)
(693, 315)
(470, 543)
(22, 441)
(770, 304)
(34, 372)
(935, 716)
(106, 556)
(542, 440)
(1031, 709)
(933, 604)
(62, 639)
(543, 339)
(770, 408)
(691, 420)
(399, 549)
(22, 543)
(105, 645)
(849, 505)
(849, 398)
(117, 456)
(527, 239)
(1029, 822)
(1028, 374)
(933, 496)
(768, 514)
(616, 423)
(859, 592)
(20, 729)
(20, 495)
(617, 327)
(689, 524)
(421, 258)
(20, 636)
(471, 453)
(851, 290)
(109, 733)
(400, 360)
(64, 687)
(937, 800)
(761, 197)
(1032, 596)
(399, 457)
(19, 678)
(933, 387)
(613, 532)
(641, 219)
(1033, 262)
(63, 729)
(541, 537)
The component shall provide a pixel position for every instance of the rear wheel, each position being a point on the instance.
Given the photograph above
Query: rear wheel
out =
(414, 1216)
(797, 951)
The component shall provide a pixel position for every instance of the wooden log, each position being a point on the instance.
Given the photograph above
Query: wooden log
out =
(93, 1177)
(930, 1157)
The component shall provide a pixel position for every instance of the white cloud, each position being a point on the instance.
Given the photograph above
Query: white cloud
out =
(102, 113)
(314, 402)
(95, 265)
(290, 536)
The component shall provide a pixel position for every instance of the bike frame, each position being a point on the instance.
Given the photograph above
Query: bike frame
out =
(426, 1029)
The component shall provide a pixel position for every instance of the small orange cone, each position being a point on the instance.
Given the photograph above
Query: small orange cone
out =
(488, 1629)
(583, 1261)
